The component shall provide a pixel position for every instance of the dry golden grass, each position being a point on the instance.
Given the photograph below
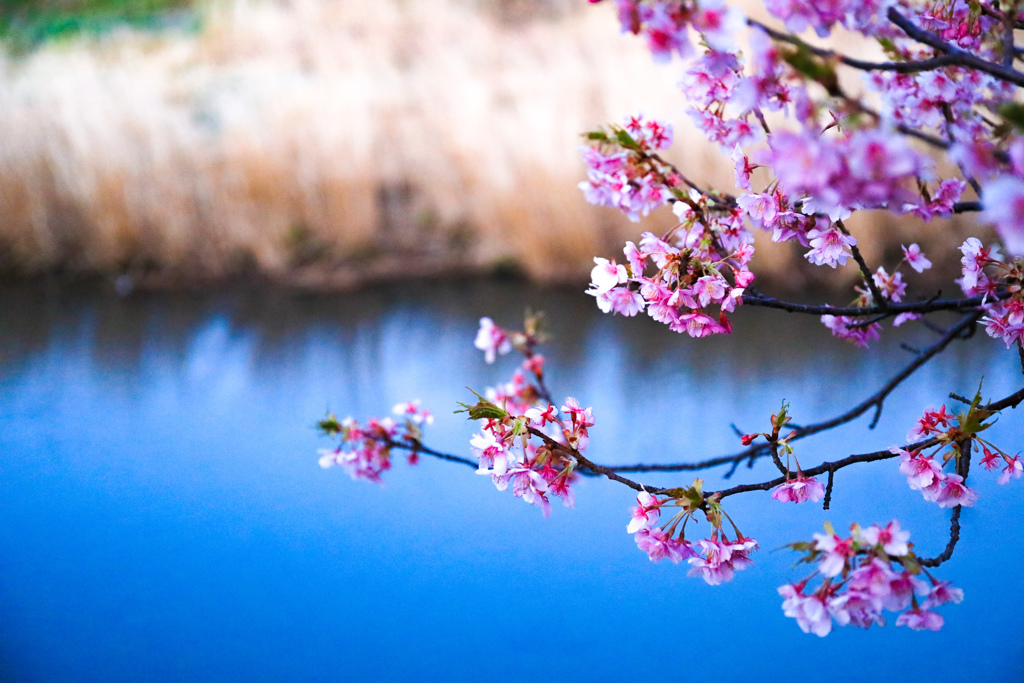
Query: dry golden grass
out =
(323, 142)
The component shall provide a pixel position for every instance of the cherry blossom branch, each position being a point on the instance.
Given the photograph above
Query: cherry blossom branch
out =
(590, 465)
(927, 306)
(960, 57)
(962, 329)
(876, 401)
(824, 467)
(828, 490)
(954, 536)
(723, 199)
(1008, 46)
(963, 463)
(910, 66)
(966, 207)
(1011, 401)
(414, 446)
(876, 295)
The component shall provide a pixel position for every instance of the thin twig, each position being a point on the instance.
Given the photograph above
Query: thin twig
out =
(876, 294)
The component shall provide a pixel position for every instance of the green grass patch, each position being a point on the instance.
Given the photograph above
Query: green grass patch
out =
(25, 24)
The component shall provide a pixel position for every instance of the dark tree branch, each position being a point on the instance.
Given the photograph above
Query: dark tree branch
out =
(879, 396)
(417, 447)
(960, 57)
(1008, 47)
(927, 306)
(898, 67)
(865, 271)
(873, 401)
(966, 207)
(954, 536)
(821, 469)
(592, 466)
(828, 490)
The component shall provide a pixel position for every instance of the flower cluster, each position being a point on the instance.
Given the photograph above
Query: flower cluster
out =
(715, 559)
(1003, 287)
(891, 287)
(799, 489)
(624, 172)
(702, 262)
(364, 451)
(956, 437)
(664, 24)
(834, 175)
(859, 582)
(514, 412)
(507, 453)
(927, 475)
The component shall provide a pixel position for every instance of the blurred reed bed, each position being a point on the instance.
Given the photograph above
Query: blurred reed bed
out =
(325, 143)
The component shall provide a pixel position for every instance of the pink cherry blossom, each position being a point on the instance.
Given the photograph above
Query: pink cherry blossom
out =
(892, 539)
(835, 553)
(492, 451)
(658, 546)
(412, 412)
(990, 460)
(717, 560)
(954, 493)
(851, 330)
(620, 300)
(1003, 201)
(543, 417)
(931, 423)
(922, 471)
(892, 287)
(859, 582)
(941, 593)
(719, 24)
(975, 258)
(800, 490)
(829, 247)
(492, 340)
(606, 274)
(810, 611)
(920, 620)
(762, 207)
(645, 513)
(529, 485)
(561, 486)
(1013, 468)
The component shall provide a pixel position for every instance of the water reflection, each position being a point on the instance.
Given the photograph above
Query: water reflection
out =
(164, 516)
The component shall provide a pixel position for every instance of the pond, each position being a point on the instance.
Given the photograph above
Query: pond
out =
(164, 517)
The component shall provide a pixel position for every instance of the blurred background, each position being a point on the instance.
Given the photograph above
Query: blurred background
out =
(330, 143)
(220, 220)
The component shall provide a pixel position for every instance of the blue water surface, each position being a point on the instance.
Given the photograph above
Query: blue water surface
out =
(163, 517)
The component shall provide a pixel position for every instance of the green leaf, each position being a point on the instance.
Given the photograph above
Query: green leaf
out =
(329, 425)
(1013, 113)
(535, 325)
(483, 409)
(625, 139)
(807, 64)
